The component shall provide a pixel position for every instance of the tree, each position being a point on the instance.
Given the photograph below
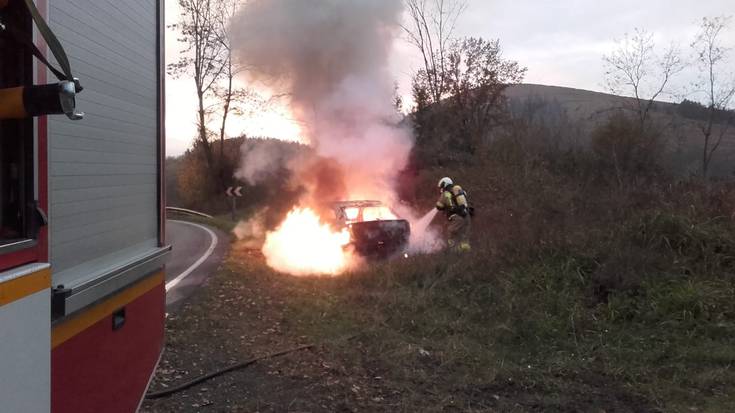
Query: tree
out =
(623, 151)
(232, 99)
(203, 58)
(397, 99)
(431, 29)
(476, 77)
(634, 68)
(420, 92)
(226, 93)
(712, 57)
(192, 185)
(473, 103)
(229, 98)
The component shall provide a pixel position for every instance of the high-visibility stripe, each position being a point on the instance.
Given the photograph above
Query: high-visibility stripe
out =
(88, 317)
(24, 286)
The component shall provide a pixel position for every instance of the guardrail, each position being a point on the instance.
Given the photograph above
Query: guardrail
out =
(188, 211)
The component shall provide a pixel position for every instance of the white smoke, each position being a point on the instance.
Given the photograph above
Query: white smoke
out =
(251, 233)
(424, 238)
(332, 57)
(261, 158)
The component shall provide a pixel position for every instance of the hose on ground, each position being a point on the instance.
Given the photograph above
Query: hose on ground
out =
(208, 376)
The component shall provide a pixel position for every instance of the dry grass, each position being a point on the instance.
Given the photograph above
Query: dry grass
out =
(582, 293)
(579, 295)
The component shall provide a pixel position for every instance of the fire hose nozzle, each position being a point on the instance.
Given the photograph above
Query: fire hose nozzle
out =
(39, 100)
(67, 97)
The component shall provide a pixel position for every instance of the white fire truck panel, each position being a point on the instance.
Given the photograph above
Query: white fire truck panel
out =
(103, 170)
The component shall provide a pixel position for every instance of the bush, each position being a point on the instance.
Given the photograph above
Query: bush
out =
(627, 151)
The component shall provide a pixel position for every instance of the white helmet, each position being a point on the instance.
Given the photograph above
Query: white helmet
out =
(445, 182)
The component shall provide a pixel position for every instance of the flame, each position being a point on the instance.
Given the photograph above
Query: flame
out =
(303, 245)
(369, 213)
(352, 213)
(377, 213)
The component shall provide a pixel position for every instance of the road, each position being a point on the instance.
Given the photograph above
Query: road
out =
(197, 252)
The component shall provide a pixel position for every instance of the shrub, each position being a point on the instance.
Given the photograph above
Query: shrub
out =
(627, 151)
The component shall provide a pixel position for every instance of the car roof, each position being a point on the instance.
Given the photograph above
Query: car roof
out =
(356, 204)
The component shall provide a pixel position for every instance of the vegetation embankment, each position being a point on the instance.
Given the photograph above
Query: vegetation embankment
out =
(589, 287)
(579, 293)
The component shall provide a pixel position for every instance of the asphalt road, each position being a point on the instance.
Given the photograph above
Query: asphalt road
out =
(197, 252)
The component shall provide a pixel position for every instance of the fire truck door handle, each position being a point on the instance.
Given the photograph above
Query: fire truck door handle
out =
(118, 319)
(36, 219)
(41, 216)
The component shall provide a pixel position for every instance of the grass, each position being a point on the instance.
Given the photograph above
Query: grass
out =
(631, 315)
(580, 295)
(588, 289)
(643, 320)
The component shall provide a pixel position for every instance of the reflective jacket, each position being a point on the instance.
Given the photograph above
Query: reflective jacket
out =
(453, 201)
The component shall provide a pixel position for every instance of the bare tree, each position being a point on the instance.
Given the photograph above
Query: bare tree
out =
(719, 90)
(431, 29)
(203, 58)
(231, 98)
(476, 77)
(420, 92)
(634, 68)
(226, 10)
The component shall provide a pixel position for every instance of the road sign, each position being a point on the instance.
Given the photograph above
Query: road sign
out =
(234, 191)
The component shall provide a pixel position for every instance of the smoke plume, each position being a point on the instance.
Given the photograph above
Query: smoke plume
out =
(260, 159)
(331, 58)
(252, 232)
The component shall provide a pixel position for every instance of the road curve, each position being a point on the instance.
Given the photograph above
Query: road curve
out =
(197, 252)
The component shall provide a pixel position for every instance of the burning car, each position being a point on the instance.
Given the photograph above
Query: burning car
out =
(375, 231)
(306, 243)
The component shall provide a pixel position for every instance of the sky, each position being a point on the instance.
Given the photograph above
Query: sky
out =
(561, 42)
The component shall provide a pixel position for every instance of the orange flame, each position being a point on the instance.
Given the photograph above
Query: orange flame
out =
(303, 245)
(377, 213)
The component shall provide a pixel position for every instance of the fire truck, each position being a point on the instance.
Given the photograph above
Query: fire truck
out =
(82, 247)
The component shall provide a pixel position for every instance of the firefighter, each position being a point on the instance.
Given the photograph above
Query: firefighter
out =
(453, 202)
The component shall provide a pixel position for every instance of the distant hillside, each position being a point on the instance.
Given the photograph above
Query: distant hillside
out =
(589, 108)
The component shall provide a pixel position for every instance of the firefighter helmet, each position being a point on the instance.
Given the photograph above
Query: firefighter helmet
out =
(446, 181)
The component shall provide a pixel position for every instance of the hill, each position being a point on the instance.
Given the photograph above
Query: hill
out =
(587, 109)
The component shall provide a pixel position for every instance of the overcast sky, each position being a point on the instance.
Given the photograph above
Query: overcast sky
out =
(560, 41)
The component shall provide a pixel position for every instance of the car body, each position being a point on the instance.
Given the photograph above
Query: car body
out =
(375, 230)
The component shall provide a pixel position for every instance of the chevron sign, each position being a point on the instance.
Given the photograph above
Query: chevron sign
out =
(234, 191)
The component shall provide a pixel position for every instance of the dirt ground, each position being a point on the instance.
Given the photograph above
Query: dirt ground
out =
(240, 316)
(247, 311)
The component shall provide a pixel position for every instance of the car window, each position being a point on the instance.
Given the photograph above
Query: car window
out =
(377, 213)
